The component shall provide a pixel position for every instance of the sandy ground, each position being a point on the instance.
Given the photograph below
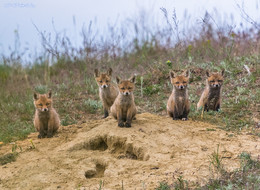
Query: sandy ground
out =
(156, 148)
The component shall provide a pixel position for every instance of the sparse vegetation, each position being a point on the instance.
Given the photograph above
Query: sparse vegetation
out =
(10, 157)
(151, 54)
(216, 164)
(179, 184)
(7, 158)
(247, 176)
(163, 186)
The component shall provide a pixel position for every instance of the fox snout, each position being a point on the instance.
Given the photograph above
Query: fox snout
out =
(126, 93)
(104, 86)
(216, 85)
(44, 109)
(181, 87)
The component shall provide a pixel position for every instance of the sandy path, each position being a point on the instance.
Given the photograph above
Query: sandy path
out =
(156, 148)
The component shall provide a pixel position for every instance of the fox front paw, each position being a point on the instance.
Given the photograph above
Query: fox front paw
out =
(49, 135)
(105, 115)
(127, 125)
(121, 124)
(184, 119)
(40, 136)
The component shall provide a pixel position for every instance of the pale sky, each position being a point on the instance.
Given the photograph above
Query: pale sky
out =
(20, 14)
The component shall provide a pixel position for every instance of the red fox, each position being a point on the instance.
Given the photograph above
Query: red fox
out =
(107, 90)
(211, 96)
(46, 120)
(124, 109)
(178, 106)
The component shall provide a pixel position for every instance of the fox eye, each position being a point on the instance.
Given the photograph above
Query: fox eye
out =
(40, 104)
(100, 81)
(184, 82)
(122, 88)
(129, 88)
(47, 104)
(212, 81)
(219, 80)
(177, 83)
(107, 81)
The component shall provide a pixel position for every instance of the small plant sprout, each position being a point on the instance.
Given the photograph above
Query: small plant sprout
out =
(169, 63)
(32, 144)
(101, 184)
(15, 147)
(215, 160)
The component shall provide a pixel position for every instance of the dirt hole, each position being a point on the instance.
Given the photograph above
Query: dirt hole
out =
(96, 144)
(127, 155)
(129, 151)
(131, 155)
(100, 168)
(119, 147)
(98, 172)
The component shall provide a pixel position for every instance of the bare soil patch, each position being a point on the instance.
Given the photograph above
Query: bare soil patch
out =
(156, 148)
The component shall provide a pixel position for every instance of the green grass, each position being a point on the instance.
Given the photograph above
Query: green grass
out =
(7, 158)
(10, 157)
(17, 113)
(178, 184)
(163, 186)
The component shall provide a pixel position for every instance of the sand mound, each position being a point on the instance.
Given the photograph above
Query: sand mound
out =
(156, 148)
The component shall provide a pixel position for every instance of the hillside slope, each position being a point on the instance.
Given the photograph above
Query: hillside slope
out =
(156, 148)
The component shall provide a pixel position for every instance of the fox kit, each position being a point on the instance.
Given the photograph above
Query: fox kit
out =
(107, 91)
(46, 120)
(124, 109)
(211, 96)
(178, 106)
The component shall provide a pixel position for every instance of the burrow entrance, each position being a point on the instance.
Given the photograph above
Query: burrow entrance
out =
(97, 172)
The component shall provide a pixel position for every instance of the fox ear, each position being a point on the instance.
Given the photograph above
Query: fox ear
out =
(132, 79)
(223, 72)
(96, 73)
(109, 72)
(207, 73)
(49, 94)
(186, 73)
(171, 74)
(118, 80)
(35, 96)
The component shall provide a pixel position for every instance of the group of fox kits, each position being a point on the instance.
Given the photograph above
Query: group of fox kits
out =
(121, 103)
(119, 100)
(178, 106)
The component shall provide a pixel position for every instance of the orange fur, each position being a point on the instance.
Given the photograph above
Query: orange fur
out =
(124, 109)
(178, 105)
(211, 96)
(107, 90)
(46, 120)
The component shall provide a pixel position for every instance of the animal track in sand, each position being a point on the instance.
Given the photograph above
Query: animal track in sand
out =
(97, 172)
